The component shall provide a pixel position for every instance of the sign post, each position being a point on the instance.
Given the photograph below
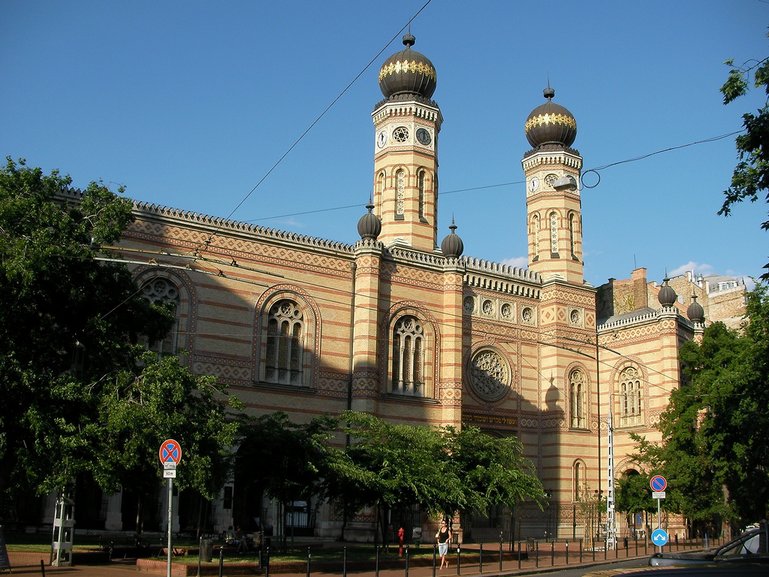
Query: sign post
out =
(170, 454)
(658, 484)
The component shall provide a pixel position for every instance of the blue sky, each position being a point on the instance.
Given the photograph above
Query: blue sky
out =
(191, 104)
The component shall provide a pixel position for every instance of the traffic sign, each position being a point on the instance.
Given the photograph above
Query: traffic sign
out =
(658, 483)
(658, 494)
(659, 537)
(169, 473)
(170, 452)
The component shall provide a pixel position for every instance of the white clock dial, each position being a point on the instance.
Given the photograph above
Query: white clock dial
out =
(381, 138)
(533, 184)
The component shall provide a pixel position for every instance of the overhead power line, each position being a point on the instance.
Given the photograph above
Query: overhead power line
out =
(596, 171)
(321, 115)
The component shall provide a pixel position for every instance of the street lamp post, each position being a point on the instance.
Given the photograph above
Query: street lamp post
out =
(611, 529)
(549, 496)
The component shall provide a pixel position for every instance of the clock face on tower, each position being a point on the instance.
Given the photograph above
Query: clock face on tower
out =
(381, 138)
(533, 184)
(423, 136)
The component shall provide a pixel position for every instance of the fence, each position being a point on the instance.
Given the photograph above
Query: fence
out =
(473, 558)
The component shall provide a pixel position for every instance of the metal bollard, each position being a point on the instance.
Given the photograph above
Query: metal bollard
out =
(42, 568)
(519, 554)
(435, 557)
(376, 566)
(344, 561)
(567, 552)
(500, 550)
(552, 553)
(309, 560)
(221, 561)
(200, 554)
(480, 558)
(459, 559)
(407, 563)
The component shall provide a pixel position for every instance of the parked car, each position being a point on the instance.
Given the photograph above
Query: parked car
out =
(750, 547)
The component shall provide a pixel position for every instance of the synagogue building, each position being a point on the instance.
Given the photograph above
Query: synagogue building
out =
(403, 325)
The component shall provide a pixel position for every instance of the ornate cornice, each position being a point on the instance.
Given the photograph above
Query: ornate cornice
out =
(221, 226)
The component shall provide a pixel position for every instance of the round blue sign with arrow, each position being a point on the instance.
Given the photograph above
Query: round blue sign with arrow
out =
(659, 537)
(658, 483)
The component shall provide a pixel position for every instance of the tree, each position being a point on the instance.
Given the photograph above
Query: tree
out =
(494, 470)
(75, 389)
(392, 466)
(716, 429)
(281, 459)
(633, 495)
(751, 175)
(442, 471)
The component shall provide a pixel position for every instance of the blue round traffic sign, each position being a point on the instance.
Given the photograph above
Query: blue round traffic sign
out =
(659, 537)
(170, 452)
(658, 483)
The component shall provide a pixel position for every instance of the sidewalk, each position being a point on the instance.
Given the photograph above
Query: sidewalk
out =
(471, 566)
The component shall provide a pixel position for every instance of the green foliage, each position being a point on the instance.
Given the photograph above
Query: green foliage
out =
(77, 397)
(493, 469)
(440, 470)
(633, 494)
(716, 428)
(751, 175)
(168, 401)
(394, 465)
(283, 459)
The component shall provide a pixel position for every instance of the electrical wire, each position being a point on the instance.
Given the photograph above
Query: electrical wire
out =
(373, 306)
(597, 169)
(321, 115)
(588, 185)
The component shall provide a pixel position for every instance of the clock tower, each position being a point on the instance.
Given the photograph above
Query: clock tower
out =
(553, 202)
(407, 123)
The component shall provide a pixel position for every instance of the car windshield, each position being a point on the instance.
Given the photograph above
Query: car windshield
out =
(744, 545)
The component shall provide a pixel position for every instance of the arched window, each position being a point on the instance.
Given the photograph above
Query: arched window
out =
(161, 291)
(421, 187)
(380, 186)
(400, 193)
(408, 357)
(630, 397)
(283, 362)
(577, 399)
(535, 227)
(572, 225)
(578, 487)
(554, 233)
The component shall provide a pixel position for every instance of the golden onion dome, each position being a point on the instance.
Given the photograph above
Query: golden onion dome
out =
(550, 123)
(407, 72)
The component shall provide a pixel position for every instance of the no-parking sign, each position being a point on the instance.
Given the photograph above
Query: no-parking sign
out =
(170, 453)
(658, 483)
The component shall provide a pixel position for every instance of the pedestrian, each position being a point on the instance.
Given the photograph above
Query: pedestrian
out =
(443, 537)
(401, 537)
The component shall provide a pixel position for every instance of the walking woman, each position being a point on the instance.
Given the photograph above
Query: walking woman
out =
(443, 537)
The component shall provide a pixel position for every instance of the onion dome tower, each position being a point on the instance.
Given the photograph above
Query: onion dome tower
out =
(407, 72)
(667, 296)
(406, 126)
(369, 226)
(550, 123)
(553, 203)
(695, 312)
(452, 245)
